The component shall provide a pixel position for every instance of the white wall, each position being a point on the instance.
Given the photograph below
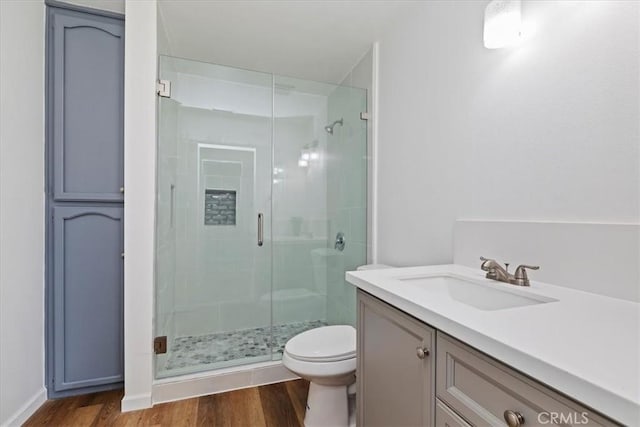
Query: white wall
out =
(139, 199)
(424, 81)
(544, 131)
(21, 210)
(592, 257)
(116, 6)
(563, 111)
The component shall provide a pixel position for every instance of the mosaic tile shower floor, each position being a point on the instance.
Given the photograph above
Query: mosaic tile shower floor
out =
(225, 346)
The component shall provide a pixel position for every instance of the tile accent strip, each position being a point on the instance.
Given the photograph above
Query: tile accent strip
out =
(219, 207)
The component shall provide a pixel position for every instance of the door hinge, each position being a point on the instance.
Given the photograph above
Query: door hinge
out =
(160, 345)
(163, 88)
(364, 116)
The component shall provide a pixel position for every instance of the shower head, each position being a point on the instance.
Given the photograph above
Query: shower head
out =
(329, 128)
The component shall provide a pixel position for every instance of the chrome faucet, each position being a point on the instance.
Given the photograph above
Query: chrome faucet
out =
(496, 272)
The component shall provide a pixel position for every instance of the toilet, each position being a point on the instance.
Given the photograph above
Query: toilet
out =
(326, 357)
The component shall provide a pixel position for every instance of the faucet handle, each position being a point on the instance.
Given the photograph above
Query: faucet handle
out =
(488, 260)
(530, 267)
(485, 261)
(520, 276)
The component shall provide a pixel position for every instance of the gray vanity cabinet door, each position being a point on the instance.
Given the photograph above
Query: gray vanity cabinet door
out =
(88, 294)
(396, 386)
(88, 107)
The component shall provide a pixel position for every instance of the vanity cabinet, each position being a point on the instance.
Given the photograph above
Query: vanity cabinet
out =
(396, 367)
(486, 392)
(396, 387)
(445, 417)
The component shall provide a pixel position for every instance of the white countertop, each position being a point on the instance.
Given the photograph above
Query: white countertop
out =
(584, 345)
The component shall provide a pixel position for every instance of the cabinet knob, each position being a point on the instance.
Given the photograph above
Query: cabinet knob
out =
(122, 189)
(422, 352)
(513, 419)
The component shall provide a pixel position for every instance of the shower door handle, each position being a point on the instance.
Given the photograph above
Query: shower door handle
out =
(260, 229)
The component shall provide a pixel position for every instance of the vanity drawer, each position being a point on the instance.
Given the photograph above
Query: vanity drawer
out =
(481, 389)
(445, 417)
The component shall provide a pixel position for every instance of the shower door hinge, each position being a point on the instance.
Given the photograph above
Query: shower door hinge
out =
(364, 116)
(163, 88)
(160, 345)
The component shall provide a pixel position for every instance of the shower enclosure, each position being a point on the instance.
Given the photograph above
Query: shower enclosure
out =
(261, 208)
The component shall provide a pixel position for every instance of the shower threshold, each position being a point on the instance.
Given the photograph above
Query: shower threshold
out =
(224, 349)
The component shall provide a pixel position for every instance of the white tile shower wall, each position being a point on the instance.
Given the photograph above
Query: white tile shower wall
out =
(222, 278)
(220, 273)
(347, 190)
(299, 201)
(546, 131)
(297, 293)
(299, 193)
(361, 76)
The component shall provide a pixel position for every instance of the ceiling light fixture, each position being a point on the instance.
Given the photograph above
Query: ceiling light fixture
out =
(502, 23)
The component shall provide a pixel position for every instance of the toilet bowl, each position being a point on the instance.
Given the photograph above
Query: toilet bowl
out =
(325, 356)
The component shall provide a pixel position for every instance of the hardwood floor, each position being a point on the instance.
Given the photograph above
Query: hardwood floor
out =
(274, 405)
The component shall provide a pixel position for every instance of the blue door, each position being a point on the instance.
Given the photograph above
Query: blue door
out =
(87, 55)
(88, 294)
(85, 185)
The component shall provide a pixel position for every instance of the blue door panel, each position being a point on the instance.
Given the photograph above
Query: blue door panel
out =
(88, 103)
(88, 277)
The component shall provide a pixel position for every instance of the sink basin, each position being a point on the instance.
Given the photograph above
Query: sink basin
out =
(478, 294)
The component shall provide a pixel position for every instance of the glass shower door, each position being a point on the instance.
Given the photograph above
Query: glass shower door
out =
(214, 175)
(319, 193)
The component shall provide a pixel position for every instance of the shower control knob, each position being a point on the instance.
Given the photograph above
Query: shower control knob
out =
(422, 352)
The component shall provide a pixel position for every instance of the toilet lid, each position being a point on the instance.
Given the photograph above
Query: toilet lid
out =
(324, 344)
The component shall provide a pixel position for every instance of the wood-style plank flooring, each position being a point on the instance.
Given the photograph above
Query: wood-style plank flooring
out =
(274, 405)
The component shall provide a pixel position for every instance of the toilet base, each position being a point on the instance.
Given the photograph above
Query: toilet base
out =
(327, 406)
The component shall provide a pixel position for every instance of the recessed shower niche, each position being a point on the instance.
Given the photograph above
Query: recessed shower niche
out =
(219, 207)
(244, 157)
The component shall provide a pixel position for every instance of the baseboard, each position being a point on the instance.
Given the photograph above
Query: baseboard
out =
(84, 390)
(172, 389)
(135, 402)
(27, 409)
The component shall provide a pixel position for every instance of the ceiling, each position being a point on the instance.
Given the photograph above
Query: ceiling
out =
(309, 39)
